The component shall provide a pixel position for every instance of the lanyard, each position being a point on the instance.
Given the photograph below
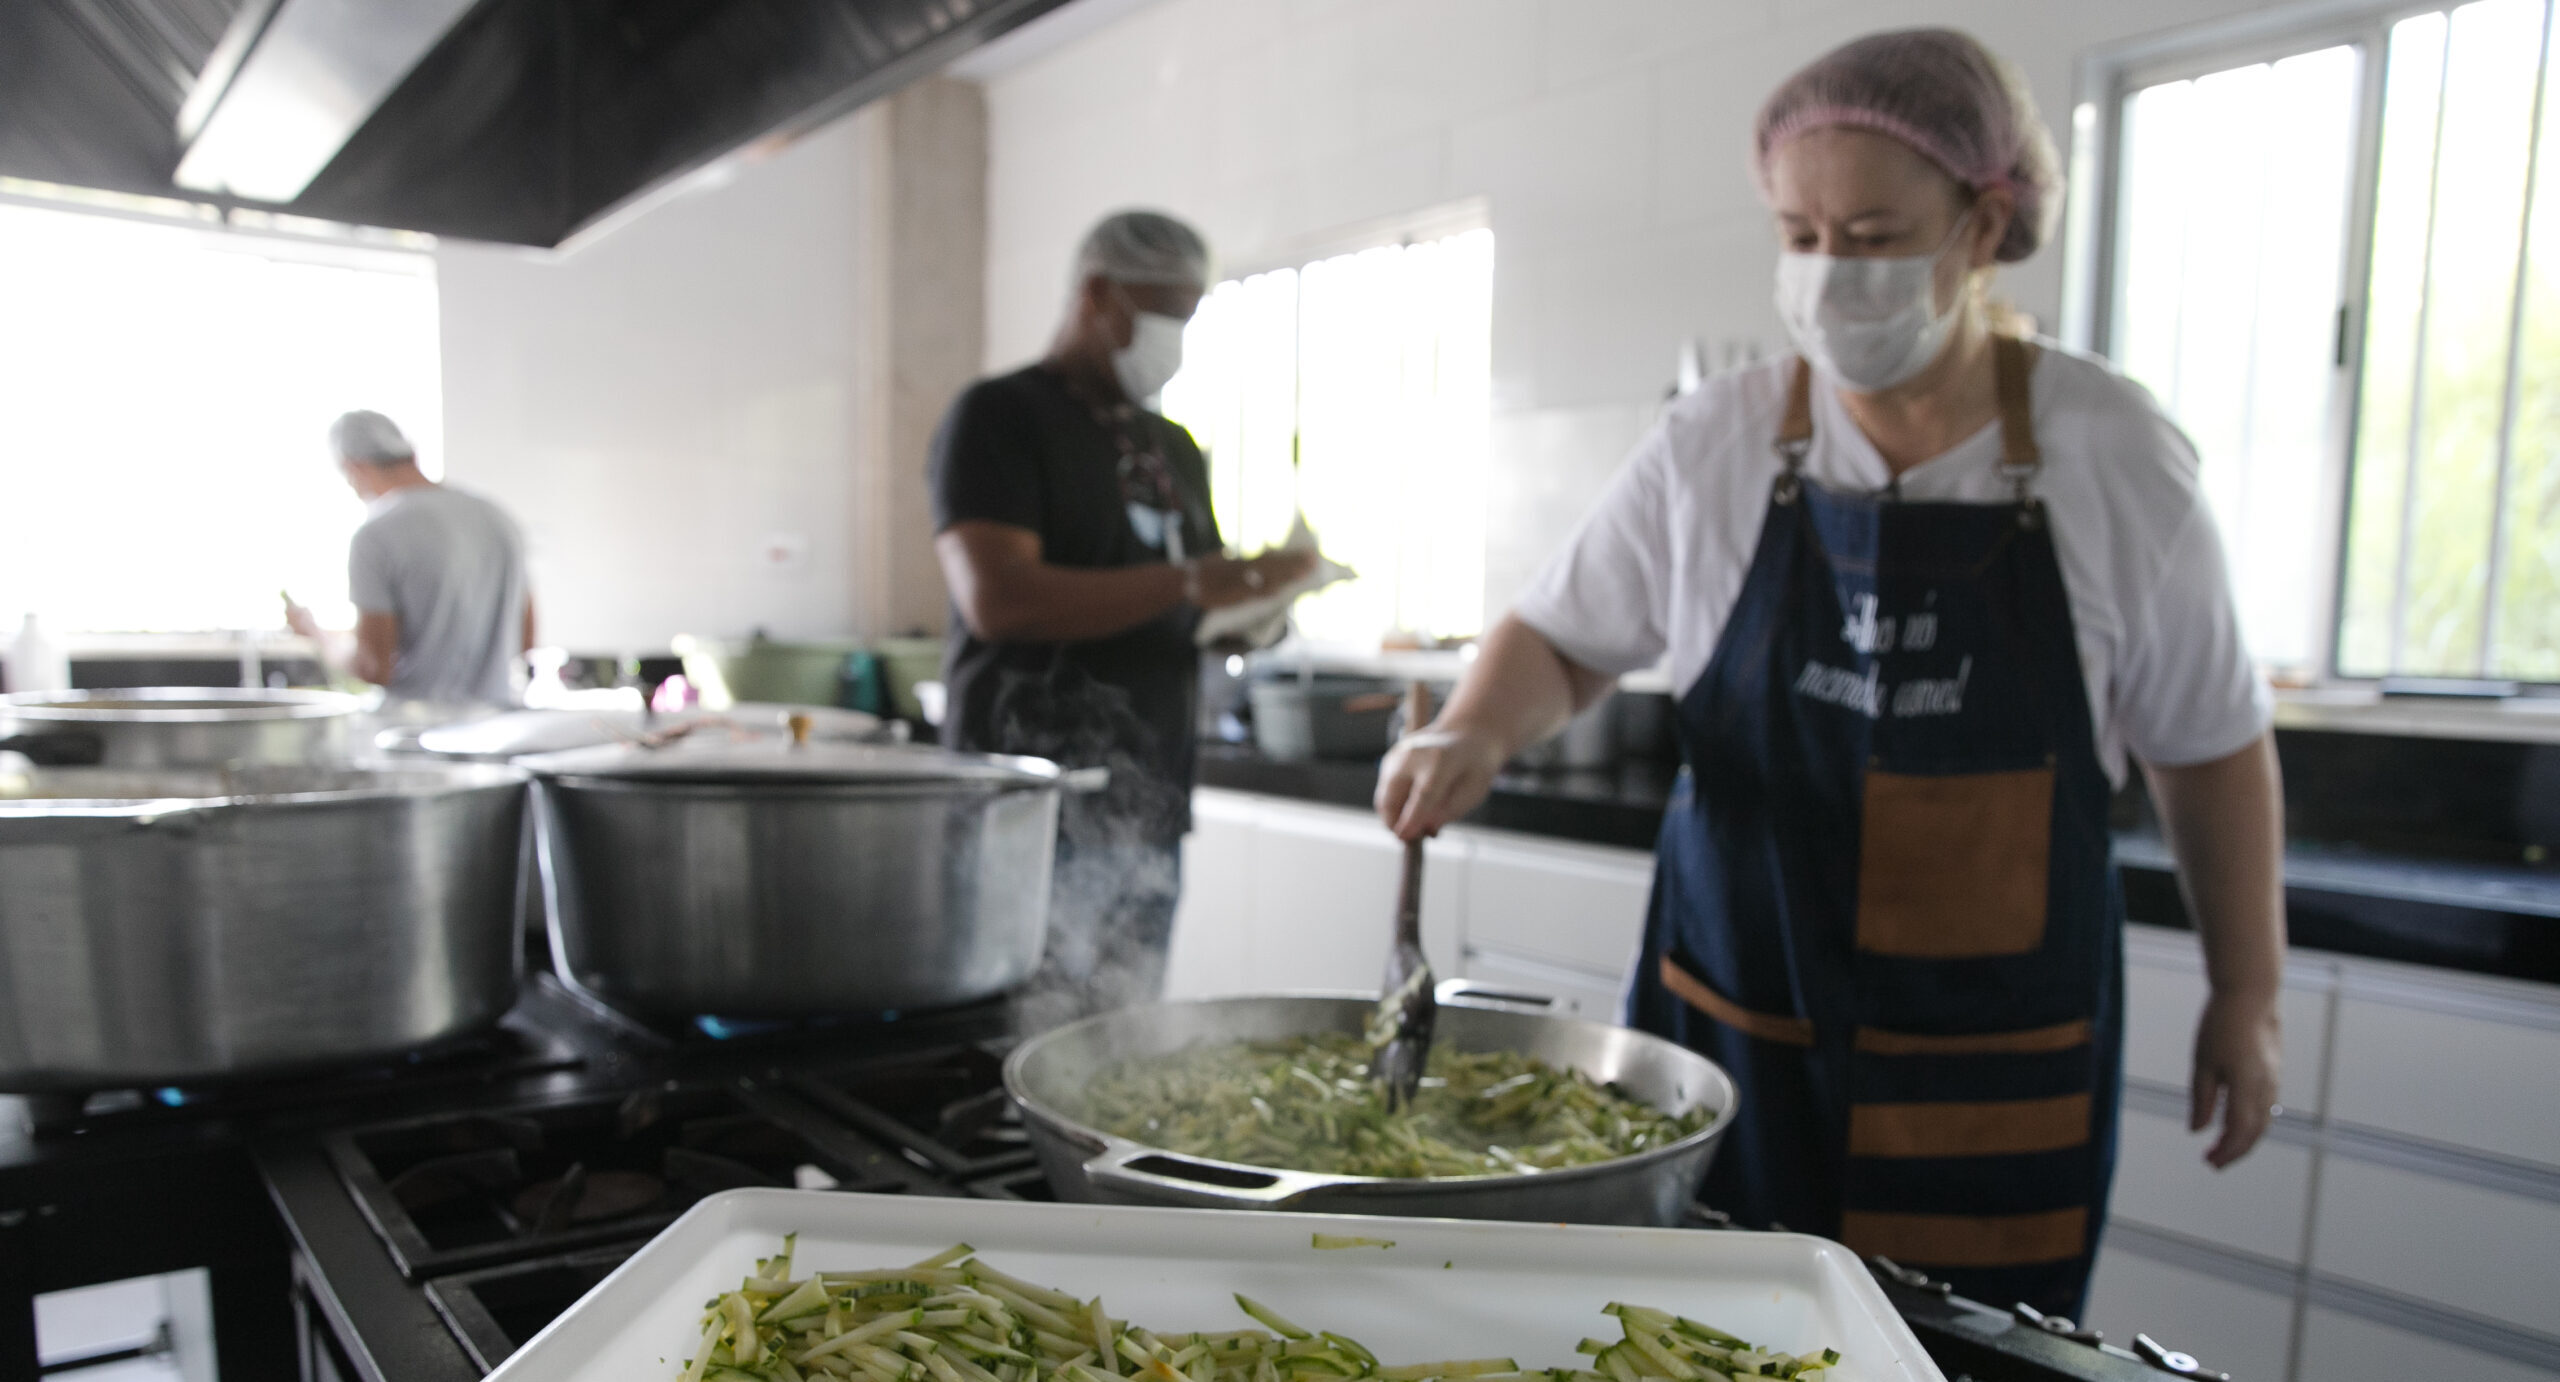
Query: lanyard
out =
(1146, 477)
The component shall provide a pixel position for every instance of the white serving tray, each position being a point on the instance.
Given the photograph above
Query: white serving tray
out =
(1449, 1288)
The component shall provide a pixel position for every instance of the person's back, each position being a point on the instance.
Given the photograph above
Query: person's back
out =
(450, 566)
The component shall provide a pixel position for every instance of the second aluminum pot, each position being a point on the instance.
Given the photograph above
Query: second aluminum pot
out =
(1047, 1076)
(178, 726)
(774, 879)
(174, 927)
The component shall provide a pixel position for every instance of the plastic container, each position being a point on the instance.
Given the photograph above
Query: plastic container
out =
(904, 662)
(1588, 740)
(1323, 717)
(770, 669)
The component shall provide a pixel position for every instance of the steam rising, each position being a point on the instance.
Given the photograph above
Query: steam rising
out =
(1119, 870)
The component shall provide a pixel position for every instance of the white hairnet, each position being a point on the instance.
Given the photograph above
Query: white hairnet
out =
(1944, 94)
(368, 436)
(1146, 249)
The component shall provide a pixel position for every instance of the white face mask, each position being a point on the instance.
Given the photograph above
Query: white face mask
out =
(1869, 323)
(1153, 355)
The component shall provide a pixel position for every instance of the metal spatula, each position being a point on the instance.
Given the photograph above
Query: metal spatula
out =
(1400, 1029)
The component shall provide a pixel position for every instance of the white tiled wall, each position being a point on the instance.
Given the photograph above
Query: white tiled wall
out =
(1608, 136)
(656, 405)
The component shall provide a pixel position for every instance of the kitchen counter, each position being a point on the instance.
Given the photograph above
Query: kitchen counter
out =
(1617, 806)
(2480, 917)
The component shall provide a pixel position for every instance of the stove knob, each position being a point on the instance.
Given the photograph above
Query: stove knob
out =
(2060, 1325)
(2170, 1360)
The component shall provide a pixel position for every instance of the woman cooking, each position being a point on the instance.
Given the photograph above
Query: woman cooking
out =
(1924, 590)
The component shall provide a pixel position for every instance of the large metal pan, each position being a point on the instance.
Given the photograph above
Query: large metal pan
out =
(179, 726)
(769, 878)
(1048, 1074)
(175, 927)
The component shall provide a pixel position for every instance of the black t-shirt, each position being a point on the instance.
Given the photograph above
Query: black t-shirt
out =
(1103, 489)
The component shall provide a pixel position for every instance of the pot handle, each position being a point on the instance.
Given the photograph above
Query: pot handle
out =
(1085, 781)
(58, 748)
(1157, 1174)
(1466, 993)
(402, 739)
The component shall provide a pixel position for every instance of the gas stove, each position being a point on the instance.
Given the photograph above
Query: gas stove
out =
(437, 1216)
(458, 1190)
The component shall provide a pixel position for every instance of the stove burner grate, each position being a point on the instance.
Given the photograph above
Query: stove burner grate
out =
(494, 1310)
(465, 1190)
(949, 1107)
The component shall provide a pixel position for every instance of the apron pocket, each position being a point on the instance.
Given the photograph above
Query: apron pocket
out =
(1692, 990)
(2003, 1127)
(1954, 866)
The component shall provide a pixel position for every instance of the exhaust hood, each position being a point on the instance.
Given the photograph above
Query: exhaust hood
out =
(517, 121)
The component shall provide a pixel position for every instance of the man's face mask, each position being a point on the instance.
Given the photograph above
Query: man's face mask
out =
(1151, 358)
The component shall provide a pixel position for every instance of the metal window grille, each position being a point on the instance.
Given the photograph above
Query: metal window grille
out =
(2395, 509)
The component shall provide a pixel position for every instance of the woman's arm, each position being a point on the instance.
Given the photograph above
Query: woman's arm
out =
(2225, 821)
(1518, 691)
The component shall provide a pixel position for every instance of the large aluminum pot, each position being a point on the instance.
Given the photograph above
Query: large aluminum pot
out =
(769, 878)
(1048, 1074)
(179, 726)
(175, 927)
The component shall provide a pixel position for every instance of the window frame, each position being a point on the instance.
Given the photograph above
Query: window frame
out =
(2105, 78)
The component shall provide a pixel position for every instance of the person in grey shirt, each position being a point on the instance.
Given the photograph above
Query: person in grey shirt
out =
(437, 575)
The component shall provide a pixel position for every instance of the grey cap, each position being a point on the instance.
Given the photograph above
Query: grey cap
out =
(369, 437)
(1144, 248)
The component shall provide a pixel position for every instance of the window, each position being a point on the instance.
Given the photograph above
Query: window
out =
(2334, 255)
(165, 396)
(1355, 388)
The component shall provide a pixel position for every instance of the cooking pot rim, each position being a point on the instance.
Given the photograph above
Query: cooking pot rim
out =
(777, 764)
(131, 705)
(349, 783)
(1081, 1131)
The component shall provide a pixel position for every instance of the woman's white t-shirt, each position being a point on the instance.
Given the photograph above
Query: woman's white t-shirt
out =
(1657, 566)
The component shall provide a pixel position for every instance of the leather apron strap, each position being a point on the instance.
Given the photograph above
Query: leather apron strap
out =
(2020, 457)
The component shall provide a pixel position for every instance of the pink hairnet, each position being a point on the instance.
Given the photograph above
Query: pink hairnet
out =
(1942, 93)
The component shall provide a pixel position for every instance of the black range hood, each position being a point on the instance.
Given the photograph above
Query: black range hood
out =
(517, 121)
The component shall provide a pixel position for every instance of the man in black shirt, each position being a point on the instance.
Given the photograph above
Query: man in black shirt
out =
(1073, 527)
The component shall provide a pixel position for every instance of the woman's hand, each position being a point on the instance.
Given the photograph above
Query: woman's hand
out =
(2239, 1049)
(1434, 777)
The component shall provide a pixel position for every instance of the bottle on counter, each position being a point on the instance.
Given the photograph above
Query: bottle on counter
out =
(37, 660)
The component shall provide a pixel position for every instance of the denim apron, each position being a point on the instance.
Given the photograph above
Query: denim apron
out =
(1885, 898)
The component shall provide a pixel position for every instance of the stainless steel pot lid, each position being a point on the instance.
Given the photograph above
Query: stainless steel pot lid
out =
(173, 705)
(518, 733)
(695, 759)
